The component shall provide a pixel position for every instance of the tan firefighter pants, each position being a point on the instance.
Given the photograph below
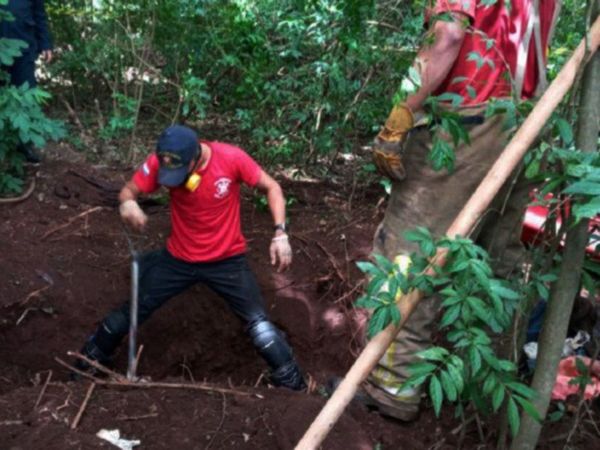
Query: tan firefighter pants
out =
(433, 199)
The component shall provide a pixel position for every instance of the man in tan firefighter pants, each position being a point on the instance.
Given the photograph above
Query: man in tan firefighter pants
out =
(424, 197)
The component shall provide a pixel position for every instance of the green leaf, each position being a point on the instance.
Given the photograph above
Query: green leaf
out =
(384, 263)
(450, 97)
(497, 397)
(584, 188)
(378, 322)
(489, 384)
(529, 408)
(475, 56)
(587, 210)
(457, 377)
(474, 360)
(435, 393)
(564, 130)
(448, 386)
(533, 169)
(421, 368)
(450, 316)
(504, 292)
(433, 354)
(479, 307)
(441, 155)
(513, 416)
(367, 302)
(369, 268)
(395, 314)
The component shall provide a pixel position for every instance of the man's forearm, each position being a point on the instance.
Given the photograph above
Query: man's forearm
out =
(435, 61)
(276, 202)
(128, 192)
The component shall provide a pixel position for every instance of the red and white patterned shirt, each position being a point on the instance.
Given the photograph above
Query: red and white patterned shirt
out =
(491, 46)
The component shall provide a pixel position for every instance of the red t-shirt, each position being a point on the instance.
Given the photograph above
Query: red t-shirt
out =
(206, 223)
(496, 34)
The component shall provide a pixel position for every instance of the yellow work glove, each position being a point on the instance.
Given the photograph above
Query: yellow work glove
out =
(388, 145)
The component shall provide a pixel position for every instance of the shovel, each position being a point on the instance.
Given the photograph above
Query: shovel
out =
(133, 310)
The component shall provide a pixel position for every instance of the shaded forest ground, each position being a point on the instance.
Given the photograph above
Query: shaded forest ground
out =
(65, 263)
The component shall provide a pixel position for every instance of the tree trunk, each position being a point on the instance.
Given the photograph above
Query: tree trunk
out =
(564, 290)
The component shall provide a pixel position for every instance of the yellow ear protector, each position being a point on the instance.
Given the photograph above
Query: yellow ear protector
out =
(193, 180)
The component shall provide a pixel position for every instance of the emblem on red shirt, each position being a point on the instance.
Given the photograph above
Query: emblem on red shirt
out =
(222, 187)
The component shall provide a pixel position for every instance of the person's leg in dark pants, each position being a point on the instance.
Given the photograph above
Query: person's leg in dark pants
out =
(161, 278)
(23, 71)
(234, 281)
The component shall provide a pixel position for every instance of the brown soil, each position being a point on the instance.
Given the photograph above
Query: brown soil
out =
(64, 265)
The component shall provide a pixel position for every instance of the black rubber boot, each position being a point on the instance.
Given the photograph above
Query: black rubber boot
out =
(91, 351)
(289, 376)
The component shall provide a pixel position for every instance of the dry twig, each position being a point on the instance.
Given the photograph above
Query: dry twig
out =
(35, 293)
(39, 399)
(121, 381)
(70, 221)
(83, 406)
(11, 422)
(143, 416)
(333, 262)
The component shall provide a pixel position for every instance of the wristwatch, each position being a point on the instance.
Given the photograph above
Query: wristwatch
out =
(281, 226)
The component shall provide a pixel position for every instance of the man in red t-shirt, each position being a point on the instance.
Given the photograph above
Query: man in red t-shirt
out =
(206, 244)
(477, 50)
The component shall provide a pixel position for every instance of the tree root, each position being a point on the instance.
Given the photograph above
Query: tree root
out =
(24, 196)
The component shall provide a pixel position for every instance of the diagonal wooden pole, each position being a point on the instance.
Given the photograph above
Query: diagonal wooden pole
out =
(462, 225)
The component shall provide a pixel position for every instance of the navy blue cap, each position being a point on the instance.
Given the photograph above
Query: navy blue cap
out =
(182, 144)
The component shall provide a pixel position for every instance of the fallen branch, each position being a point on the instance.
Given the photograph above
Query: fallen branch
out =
(70, 221)
(155, 385)
(83, 406)
(95, 364)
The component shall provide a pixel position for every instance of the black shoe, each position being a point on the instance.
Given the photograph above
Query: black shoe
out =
(91, 351)
(289, 376)
(31, 155)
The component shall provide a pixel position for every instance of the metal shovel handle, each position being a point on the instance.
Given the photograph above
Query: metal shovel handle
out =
(133, 318)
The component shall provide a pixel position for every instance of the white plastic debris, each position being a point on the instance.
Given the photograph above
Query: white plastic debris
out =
(114, 437)
(572, 345)
(531, 349)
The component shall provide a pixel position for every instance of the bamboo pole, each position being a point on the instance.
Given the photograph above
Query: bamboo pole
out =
(462, 225)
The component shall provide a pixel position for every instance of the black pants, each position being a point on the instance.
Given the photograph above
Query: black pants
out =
(22, 70)
(162, 277)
